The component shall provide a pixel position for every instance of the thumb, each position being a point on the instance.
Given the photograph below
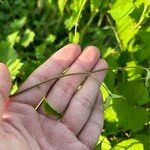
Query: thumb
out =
(5, 86)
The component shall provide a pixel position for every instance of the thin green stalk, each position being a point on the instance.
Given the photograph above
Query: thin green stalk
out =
(120, 44)
(77, 21)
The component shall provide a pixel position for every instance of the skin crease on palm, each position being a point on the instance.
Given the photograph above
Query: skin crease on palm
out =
(23, 128)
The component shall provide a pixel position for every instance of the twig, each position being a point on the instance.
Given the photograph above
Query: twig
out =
(76, 25)
(120, 44)
(72, 74)
(56, 78)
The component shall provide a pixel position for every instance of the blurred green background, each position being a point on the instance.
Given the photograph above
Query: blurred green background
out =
(31, 31)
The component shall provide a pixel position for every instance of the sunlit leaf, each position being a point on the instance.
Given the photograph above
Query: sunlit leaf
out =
(14, 68)
(18, 23)
(51, 38)
(27, 38)
(103, 144)
(133, 73)
(13, 38)
(131, 144)
(7, 52)
(61, 5)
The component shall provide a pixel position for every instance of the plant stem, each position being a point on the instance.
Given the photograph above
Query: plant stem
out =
(72, 74)
(76, 25)
(116, 34)
(56, 78)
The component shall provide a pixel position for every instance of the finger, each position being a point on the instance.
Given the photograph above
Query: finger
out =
(5, 85)
(53, 67)
(83, 101)
(61, 93)
(92, 129)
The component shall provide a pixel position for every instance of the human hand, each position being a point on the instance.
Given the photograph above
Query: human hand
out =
(23, 128)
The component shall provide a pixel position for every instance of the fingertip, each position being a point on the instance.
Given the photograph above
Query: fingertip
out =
(103, 63)
(93, 52)
(5, 80)
(74, 47)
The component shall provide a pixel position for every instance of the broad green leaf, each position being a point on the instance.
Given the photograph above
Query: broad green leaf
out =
(133, 73)
(39, 51)
(105, 91)
(61, 5)
(120, 12)
(51, 38)
(107, 102)
(13, 38)
(103, 144)
(7, 52)
(27, 38)
(134, 92)
(144, 139)
(14, 68)
(49, 110)
(111, 120)
(18, 23)
(129, 17)
(129, 116)
(143, 44)
(131, 144)
(76, 9)
(108, 96)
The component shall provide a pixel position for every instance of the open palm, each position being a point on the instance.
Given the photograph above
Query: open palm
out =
(23, 128)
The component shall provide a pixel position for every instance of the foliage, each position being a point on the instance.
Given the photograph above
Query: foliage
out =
(31, 31)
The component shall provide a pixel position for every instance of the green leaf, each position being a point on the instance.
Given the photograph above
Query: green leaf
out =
(133, 73)
(103, 144)
(129, 117)
(39, 51)
(13, 38)
(49, 110)
(143, 45)
(7, 52)
(14, 88)
(14, 68)
(125, 14)
(61, 5)
(111, 120)
(144, 139)
(51, 38)
(76, 9)
(134, 92)
(131, 144)
(27, 38)
(18, 23)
